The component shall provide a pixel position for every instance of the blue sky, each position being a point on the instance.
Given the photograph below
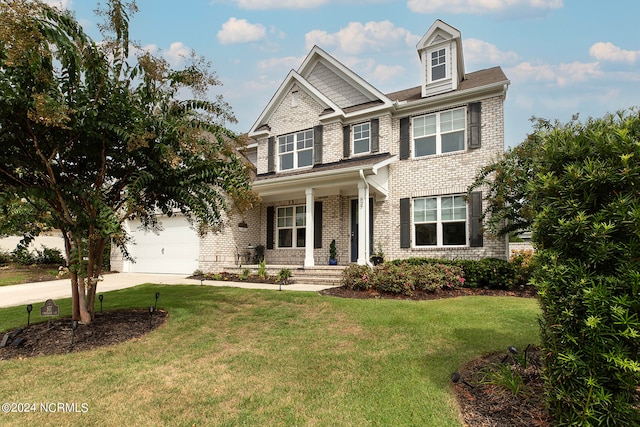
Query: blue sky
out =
(562, 56)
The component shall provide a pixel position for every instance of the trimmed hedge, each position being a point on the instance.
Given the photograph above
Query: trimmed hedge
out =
(491, 273)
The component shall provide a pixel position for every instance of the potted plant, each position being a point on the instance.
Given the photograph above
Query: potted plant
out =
(333, 253)
(377, 257)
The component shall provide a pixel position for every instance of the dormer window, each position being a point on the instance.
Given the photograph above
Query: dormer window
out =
(438, 64)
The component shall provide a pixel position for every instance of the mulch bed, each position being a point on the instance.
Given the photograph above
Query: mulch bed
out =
(523, 292)
(54, 337)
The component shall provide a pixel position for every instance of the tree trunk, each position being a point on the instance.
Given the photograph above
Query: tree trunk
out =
(85, 315)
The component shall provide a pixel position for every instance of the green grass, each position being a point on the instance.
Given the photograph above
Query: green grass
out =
(229, 357)
(14, 279)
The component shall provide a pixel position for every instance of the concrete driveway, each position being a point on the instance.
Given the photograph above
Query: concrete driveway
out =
(30, 293)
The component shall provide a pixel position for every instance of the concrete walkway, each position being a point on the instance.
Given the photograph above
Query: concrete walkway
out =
(30, 293)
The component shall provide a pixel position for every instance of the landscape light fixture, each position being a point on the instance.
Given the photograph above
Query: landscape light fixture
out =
(100, 297)
(155, 307)
(456, 378)
(29, 308)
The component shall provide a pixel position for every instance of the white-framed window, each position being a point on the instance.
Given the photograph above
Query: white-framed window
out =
(291, 225)
(362, 138)
(438, 133)
(440, 221)
(295, 150)
(438, 64)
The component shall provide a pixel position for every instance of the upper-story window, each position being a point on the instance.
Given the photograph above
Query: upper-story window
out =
(295, 150)
(438, 133)
(361, 138)
(438, 64)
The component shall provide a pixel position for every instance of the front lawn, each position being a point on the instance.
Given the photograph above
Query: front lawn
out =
(230, 356)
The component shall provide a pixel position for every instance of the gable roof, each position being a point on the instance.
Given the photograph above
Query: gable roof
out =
(333, 85)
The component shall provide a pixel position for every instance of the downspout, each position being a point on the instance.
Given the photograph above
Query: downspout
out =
(367, 233)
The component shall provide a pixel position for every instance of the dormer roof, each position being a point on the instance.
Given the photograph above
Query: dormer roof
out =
(443, 43)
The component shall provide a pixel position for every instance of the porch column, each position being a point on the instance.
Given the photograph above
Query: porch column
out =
(363, 223)
(309, 232)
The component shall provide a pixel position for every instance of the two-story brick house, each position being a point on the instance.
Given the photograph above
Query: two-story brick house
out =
(338, 159)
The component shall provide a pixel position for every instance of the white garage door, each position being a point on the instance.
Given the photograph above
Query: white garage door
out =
(174, 249)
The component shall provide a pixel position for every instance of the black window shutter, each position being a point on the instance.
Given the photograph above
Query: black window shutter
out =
(476, 219)
(404, 138)
(475, 126)
(317, 225)
(271, 148)
(346, 141)
(317, 145)
(270, 222)
(375, 139)
(405, 223)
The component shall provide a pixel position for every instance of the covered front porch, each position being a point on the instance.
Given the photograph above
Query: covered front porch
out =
(304, 211)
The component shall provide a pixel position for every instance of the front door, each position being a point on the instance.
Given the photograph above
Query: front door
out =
(354, 228)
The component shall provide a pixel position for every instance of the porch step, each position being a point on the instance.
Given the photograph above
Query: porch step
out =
(317, 275)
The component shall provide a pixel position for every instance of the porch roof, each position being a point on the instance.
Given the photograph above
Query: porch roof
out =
(340, 177)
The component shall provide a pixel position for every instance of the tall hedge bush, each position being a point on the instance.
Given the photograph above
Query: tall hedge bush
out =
(586, 195)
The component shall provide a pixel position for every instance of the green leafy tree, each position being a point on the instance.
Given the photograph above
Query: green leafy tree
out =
(97, 137)
(582, 198)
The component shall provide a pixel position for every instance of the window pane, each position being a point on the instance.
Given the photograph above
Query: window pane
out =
(301, 216)
(286, 161)
(438, 72)
(446, 208)
(300, 235)
(426, 235)
(423, 126)
(454, 233)
(425, 146)
(453, 141)
(458, 119)
(284, 238)
(361, 146)
(305, 158)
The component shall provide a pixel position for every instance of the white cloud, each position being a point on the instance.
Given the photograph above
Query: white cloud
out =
(610, 52)
(386, 73)
(177, 53)
(240, 31)
(560, 74)
(60, 4)
(286, 63)
(479, 6)
(280, 4)
(480, 52)
(356, 37)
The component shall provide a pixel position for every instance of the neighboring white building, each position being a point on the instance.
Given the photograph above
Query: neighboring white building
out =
(338, 159)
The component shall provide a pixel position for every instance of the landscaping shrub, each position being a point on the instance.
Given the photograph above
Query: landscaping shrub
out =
(22, 255)
(588, 240)
(49, 256)
(393, 278)
(489, 273)
(522, 262)
(5, 257)
(403, 278)
(433, 277)
(357, 277)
